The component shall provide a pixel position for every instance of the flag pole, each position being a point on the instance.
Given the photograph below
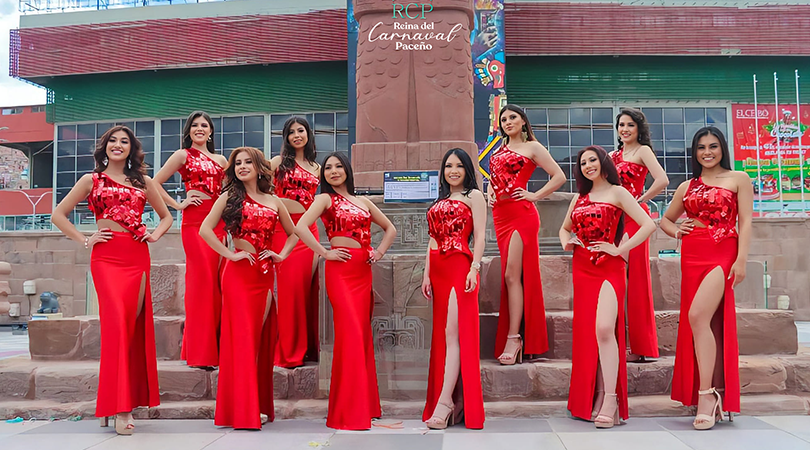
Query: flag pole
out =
(778, 127)
(756, 133)
(801, 151)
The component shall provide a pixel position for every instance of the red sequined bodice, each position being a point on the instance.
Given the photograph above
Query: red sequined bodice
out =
(118, 202)
(297, 184)
(201, 173)
(509, 171)
(595, 222)
(632, 175)
(450, 224)
(713, 206)
(258, 223)
(345, 219)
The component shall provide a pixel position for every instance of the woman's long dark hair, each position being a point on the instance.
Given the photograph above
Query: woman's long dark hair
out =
(607, 171)
(209, 144)
(527, 127)
(287, 150)
(327, 188)
(232, 214)
(134, 169)
(644, 136)
(469, 182)
(725, 161)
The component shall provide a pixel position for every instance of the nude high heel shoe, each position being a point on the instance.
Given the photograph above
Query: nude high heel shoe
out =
(517, 356)
(605, 421)
(448, 420)
(707, 421)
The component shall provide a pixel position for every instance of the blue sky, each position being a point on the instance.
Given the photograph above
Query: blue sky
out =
(13, 92)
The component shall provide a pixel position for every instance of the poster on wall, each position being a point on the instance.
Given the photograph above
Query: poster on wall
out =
(780, 132)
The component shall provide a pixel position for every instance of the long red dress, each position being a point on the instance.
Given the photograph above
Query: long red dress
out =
(247, 343)
(203, 297)
(128, 365)
(511, 171)
(297, 286)
(594, 222)
(450, 223)
(641, 328)
(703, 250)
(354, 397)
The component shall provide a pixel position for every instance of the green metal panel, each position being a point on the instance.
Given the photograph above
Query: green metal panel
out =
(548, 80)
(219, 91)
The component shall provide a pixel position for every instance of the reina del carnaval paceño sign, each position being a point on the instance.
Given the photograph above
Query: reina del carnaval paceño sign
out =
(412, 36)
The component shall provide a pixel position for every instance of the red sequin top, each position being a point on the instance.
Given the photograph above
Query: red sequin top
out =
(258, 223)
(595, 222)
(450, 224)
(297, 184)
(201, 173)
(713, 206)
(509, 171)
(118, 202)
(632, 175)
(345, 219)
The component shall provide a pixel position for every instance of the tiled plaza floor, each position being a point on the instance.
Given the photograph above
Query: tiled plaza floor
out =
(782, 432)
(12, 344)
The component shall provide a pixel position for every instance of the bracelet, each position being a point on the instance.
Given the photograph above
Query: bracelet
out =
(678, 236)
(476, 266)
(86, 241)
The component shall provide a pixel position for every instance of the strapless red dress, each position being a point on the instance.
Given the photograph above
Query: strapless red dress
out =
(128, 364)
(642, 331)
(297, 282)
(511, 171)
(247, 343)
(203, 297)
(450, 224)
(594, 222)
(702, 250)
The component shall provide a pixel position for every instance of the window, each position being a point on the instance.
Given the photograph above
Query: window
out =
(11, 111)
(38, 109)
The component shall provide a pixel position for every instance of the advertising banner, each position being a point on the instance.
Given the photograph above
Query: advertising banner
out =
(779, 135)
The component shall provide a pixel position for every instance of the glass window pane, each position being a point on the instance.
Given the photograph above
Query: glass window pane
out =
(654, 115)
(85, 164)
(691, 129)
(66, 164)
(342, 121)
(675, 165)
(275, 145)
(102, 128)
(656, 132)
(558, 138)
(673, 132)
(675, 180)
(342, 142)
(66, 148)
(231, 124)
(673, 115)
(580, 138)
(325, 142)
(694, 115)
(603, 116)
(170, 127)
(560, 154)
(231, 141)
(715, 115)
(254, 139)
(65, 132)
(674, 148)
(86, 131)
(130, 125)
(148, 144)
(557, 116)
(603, 137)
(580, 116)
(277, 121)
(145, 128)
(85, 147)
(537, 116)
(254, 123)
(658, 147)
(324, 122)
(541, 136)
(65, 179)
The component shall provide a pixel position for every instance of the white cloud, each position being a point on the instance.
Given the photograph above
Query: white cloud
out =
(13, 92)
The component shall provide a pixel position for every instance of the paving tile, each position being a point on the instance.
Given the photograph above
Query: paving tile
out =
(741, 440)
(74, 441)
(579, 426)
(159, 441)
(740, 423)
(613, 439)
(513, 441)
(409, 426)
(787, 423)
(298, 426)
(499, 425)
(355, 441)
(267, 440)
(86, 426)
(9, 429)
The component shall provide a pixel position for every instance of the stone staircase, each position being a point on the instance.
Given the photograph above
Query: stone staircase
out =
(61, 376)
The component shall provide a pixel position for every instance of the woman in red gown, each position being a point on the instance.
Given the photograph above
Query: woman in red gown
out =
(713, 257)
(296, 177)
(250, 212)
(593, 229)
(354, 398)
(117, 192)
(202, 172)
(451, 280)
(517, 225)
(634, 160)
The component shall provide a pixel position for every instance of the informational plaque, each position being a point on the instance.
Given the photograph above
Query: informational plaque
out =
(412, 186)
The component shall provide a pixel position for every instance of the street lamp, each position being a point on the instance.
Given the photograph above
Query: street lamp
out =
(33, 204)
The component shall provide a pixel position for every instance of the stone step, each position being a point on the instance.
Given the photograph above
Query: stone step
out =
(644, 406)
(76, 381)
(78, 338)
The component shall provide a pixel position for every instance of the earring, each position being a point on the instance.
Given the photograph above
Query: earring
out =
(260, 176)
(525, 134)
(129, 163)
(210, 137)
(104, 161)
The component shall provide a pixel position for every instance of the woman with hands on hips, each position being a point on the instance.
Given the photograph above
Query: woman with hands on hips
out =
(248, 339)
